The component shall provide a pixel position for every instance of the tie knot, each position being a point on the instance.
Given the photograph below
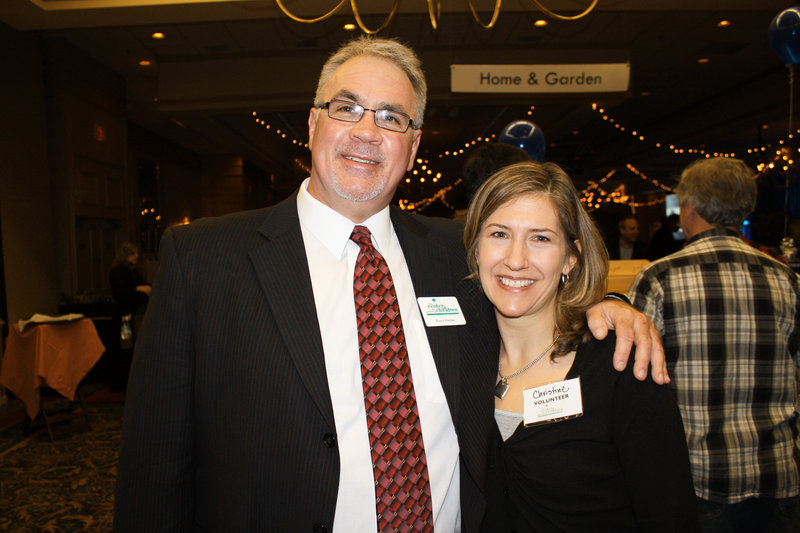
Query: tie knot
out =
(361, 236)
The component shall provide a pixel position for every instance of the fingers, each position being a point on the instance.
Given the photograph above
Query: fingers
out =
(649, 352)
(625, 327)
(632, 327)
(597, 321)
(658, 361)
(644, 347)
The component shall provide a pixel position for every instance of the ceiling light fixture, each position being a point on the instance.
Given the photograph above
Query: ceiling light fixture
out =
(434, 12)
(158, 35)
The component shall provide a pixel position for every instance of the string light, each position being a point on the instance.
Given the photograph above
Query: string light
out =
(457, 152)
(425, 170)
(641, 137)
(696, 151)
(782, 158)
(439, 196)
(267, 126)
(593, 196)
(651, 180)
(299, 162)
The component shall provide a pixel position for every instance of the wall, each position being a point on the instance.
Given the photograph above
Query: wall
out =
(25, 193)
(87, 147)
(69, 178)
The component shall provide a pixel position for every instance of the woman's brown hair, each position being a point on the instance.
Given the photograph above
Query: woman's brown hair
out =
(587, 279)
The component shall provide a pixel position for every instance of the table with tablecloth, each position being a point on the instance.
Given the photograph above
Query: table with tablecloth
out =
(57, 355)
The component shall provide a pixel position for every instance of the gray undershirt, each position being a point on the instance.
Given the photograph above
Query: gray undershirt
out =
(507, 422)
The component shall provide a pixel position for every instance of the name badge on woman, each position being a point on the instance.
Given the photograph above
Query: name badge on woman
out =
(552, 402)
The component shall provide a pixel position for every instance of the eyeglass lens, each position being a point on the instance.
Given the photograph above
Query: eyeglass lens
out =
(384, 118)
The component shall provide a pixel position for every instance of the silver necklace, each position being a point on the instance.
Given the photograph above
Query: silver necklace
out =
(501, 388)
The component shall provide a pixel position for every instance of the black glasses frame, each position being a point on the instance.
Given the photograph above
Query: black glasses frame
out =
(327, 107)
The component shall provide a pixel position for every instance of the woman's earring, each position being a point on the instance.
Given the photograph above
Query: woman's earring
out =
(564, 279)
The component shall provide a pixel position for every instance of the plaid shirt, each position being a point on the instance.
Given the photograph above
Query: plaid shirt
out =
(728, 316)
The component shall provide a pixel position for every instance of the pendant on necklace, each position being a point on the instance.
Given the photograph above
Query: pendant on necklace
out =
(501, 389)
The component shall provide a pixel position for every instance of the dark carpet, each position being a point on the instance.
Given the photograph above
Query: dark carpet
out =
(66, 485)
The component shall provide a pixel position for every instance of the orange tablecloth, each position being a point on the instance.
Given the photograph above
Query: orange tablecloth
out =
(57, 355)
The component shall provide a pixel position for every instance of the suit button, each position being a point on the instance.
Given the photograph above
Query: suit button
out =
(329, 440)
(506, 491)
(500, 445)
(320, 528)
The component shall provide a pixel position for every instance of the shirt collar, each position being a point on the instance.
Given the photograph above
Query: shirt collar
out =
(715, 232)
(333, 229)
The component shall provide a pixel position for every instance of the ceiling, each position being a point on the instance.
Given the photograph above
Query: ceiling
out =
(221, 62)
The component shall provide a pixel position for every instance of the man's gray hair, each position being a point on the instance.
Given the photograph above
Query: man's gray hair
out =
(399, 54)
(722, 189)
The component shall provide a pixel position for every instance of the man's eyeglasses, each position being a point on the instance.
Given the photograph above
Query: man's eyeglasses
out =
(387, 119)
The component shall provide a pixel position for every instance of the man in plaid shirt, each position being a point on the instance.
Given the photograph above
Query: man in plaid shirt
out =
(728, 316)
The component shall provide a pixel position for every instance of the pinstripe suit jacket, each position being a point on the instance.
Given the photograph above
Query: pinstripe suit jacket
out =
(228, 420)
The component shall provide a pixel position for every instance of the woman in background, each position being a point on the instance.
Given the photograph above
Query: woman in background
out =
(586, 448)
(131, 293)
(129, 288)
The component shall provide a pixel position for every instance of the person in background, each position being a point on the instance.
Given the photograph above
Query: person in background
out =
(664, 241)
(255, 400)
(576, 454)
(626, 245)
(131, 293)
(128, 288)
(485, 160)
(728, 315)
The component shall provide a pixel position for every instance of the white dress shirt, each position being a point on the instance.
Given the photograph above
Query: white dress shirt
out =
(331, 261)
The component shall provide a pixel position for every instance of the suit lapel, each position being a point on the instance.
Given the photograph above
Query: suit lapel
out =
(282, 268)
(431, 275)
(465, 356)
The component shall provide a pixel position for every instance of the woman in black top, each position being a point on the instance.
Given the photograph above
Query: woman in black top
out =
(128, 287)
(584, 448)
(131, 293)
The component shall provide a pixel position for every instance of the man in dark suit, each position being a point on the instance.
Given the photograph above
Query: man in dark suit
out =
(626, 245)
(245, 407)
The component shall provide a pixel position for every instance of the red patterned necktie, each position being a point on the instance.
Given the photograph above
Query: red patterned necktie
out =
(402, 489)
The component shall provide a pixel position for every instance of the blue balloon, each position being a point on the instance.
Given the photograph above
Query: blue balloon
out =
(784, 35)
(526, 135)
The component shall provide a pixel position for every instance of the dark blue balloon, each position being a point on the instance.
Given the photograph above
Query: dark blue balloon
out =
(526, 135)
(784, 35)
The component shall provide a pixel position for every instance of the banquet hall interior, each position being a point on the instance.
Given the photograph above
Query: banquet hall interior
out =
(121, 118)
(124, 118)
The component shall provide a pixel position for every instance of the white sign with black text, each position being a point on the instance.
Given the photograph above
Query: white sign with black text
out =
(573, 78)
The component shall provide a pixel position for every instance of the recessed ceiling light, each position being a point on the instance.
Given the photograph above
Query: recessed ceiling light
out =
(703, 60)
(644, 93)
(724, 23)
(157, 35)
(349, 26)
(145, 63)
(540, 22)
